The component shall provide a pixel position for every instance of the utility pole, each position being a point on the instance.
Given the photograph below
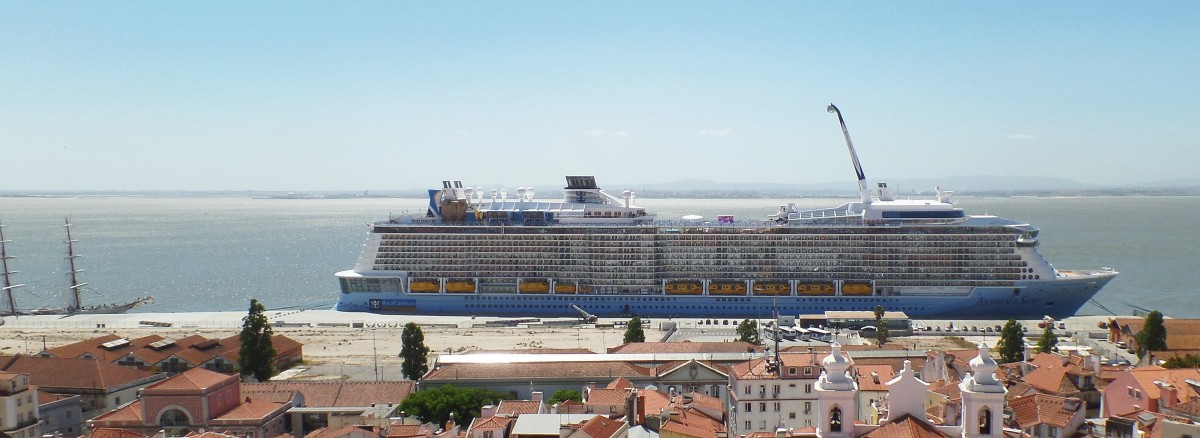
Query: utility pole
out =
(375, 354)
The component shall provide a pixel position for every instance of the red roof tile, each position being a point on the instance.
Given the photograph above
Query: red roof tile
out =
(334, 394)
(873, 377)
(606, 397)
(619, 383)
(50, 372)
(129, 412)
(1037, 409)
(514, 408)
(601, 427)
(251, 409)
(192, 379)
(110, 432)
(490, 423)
(906, 426)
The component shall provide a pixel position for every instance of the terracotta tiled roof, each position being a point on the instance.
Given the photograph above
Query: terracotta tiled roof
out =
(50, 372)
(1019, 390)
(595, 371)
(906, 426)
(1182, 334)
(877, 381)
(490, 423)
(694, 423)
(686, 347)
(44, 397)
(111, 432)
(129, 412)
(514, 408)
(347, 430)
(601, 427)
(949, 390)
(572, 407)
(1052, 379)
(1146, 376)
(894, 363)
(1189, 408)
(701, 400)
(606, 397)
(333, 394)
(192, 379)
(669, 367)
(619, 383)
(251, 409)
(405, 431)
(653, 401)
(77, 349)
(1037, 409)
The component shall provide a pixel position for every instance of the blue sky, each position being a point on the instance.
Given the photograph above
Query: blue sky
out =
(399, 95)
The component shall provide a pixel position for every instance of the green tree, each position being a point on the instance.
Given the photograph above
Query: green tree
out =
(1048, 341)
(436, 404)
(1187, 361)
(881, 328)
(414, 352)
(1012, 342)
(747, 331)
(1153, 336)
(634, 332)
(563, 395)
(256, 355)
(881, 334)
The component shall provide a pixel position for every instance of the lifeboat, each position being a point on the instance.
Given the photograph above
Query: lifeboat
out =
(727, 288)
(856, 289)
(535, 286)
(460, 286)
(772, 288)
(563, 287)
(424, 286)
(815, 289)
(683, 288)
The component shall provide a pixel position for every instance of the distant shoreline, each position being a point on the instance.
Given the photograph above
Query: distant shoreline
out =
(647, 194)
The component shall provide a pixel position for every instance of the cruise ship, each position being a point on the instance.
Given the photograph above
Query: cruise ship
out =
(484, 252)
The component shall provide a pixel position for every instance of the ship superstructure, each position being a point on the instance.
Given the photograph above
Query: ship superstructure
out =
(480, 252)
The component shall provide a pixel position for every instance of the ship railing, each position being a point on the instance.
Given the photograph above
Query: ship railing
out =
(822, 214)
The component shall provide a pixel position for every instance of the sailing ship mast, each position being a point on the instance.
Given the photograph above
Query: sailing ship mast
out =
(76, 287)
(8, 286)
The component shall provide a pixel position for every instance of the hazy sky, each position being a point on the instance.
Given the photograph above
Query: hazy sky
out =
(403, 94)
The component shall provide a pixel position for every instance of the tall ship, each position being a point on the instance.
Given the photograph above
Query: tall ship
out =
(481, 252)
(75, 288)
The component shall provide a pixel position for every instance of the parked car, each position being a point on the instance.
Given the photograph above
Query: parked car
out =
(1121, 344)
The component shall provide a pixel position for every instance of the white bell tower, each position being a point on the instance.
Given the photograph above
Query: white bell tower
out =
(982, 399)
(836, 397)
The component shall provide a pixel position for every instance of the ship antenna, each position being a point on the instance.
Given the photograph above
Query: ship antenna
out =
(863, 193)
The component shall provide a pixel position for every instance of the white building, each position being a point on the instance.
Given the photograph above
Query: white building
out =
(18, 407)
(764, 396)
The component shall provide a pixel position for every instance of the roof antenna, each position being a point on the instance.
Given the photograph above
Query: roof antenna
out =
(863, 192)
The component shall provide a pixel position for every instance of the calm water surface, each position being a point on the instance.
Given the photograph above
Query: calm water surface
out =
(203, 254)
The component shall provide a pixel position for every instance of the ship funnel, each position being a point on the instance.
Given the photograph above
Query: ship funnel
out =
(863, 192)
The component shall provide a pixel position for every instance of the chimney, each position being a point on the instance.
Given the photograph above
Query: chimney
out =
(487, 411)
(1168, 394)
